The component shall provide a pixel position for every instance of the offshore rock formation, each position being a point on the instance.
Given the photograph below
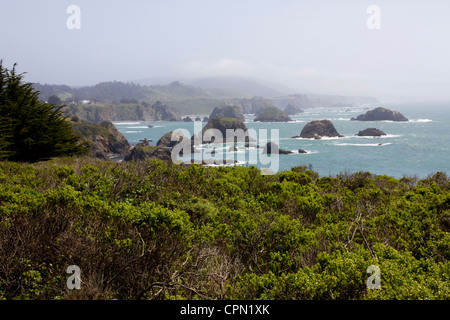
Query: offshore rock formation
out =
(370, 132)
(272, 148)
(379, 114)
(222, 124)
(272, 114)
(227, 112)
(319, 128)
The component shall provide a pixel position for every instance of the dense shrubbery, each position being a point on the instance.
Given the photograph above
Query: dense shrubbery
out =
(150, 230)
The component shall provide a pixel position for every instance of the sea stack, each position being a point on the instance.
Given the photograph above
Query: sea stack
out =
(380, 114)
(319, 128)
(272, 114)
(370, 132)
(223, 124)
(227, 112)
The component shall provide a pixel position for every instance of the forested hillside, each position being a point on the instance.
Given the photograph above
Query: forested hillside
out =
(184, 99)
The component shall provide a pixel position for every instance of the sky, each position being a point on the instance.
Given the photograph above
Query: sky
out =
(398, 51)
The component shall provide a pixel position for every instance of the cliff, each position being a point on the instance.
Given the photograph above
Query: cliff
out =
(122, 112)
(292, 109)
(164, 113)
(105, 141)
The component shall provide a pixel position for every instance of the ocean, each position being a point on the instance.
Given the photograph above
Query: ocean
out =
(417, 148)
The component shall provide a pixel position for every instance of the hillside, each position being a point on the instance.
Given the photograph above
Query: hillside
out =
(187, 99)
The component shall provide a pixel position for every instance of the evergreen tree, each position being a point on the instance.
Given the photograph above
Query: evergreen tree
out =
(54, 99)
(32, 130)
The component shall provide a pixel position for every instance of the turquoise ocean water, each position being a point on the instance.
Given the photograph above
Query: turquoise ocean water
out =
(419, 147)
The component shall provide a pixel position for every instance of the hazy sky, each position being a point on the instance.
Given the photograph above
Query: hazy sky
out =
(310, 46)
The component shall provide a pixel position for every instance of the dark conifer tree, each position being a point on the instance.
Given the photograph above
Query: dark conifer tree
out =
(30, 129)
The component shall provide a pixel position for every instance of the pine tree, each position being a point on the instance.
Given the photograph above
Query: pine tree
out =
(30, 129)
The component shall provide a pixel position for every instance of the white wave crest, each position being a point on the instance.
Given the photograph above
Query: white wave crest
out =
(421, 120)
(126, 123)
(363, 144)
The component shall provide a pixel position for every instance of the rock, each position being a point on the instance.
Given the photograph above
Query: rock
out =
(301, 151)
(205, 119)
(164, 113)
(254, 105)
(222, 124)
(145, 142)
(272, 148)
(166, 140)
(251, 145)
(379, 114)
(198, 118)
(371, 132)
(272, 114)
(292, 109)
(227, 112)
(104, 139)
(142, 152)
(187, 119)
(150, 126)
(319, 128)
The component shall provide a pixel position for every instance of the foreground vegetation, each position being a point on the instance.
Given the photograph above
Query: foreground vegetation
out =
(151, 230)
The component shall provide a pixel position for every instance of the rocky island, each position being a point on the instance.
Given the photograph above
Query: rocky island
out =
(223, 124)
(272, 114)
(226, 112)
(380, 114)
(317, 129)
(370, 132)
